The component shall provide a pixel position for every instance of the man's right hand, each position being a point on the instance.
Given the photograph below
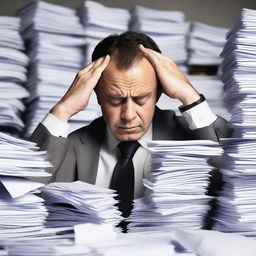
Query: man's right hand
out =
(77, 97)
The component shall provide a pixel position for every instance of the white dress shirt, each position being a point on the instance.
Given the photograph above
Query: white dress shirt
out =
(197, 117)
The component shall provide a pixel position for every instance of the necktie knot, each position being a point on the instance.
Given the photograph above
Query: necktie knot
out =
(128, 148)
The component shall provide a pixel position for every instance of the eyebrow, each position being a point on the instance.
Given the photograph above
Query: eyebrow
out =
(118, 97)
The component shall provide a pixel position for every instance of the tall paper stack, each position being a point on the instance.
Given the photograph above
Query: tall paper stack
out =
(56, 42)
(100, 21)
(175, 195)
(237, 202)
(205, 44)
(22, 213)
(167, 28)
(13, 75)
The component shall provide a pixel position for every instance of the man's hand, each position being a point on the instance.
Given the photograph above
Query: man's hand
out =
(174, 82)
(78, 95)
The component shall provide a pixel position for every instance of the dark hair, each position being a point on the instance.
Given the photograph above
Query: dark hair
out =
(126, 45)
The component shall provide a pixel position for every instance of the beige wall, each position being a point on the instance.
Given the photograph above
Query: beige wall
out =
(215, 12)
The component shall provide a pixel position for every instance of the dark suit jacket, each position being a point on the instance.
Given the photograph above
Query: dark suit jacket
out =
(77, 157)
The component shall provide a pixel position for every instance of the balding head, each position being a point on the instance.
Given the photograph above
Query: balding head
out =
(125, 47)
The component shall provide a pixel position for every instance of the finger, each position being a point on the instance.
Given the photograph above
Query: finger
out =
(102, 66)
(154, 55)
(151, 55)
(96, 63)
(159, 60)
(91, 65)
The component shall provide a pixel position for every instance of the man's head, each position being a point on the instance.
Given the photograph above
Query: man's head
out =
(128, 88)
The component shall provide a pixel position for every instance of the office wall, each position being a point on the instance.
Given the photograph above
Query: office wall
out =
(215, 12)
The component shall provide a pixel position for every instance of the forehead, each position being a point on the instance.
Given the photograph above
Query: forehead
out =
(139, 77)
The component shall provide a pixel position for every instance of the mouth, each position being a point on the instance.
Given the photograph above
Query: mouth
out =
(129, 129)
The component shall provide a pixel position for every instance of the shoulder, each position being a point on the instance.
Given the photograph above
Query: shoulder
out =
(93, 132)
(168, 126)
(168, 118)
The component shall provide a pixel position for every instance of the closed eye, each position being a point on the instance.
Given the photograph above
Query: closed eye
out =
(141, 100)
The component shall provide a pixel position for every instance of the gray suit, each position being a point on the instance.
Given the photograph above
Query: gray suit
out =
(77, 157)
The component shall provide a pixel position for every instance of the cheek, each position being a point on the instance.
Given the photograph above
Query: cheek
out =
(111, 114)
(146, 112)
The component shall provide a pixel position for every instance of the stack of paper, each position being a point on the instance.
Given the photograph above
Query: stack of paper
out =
(237, 202)
(175, 194)
(22, 213)
(48, 247)
(205, 44)
(56, 43)
(214, 243)
(167, 28)
(100, 21)
(13, 69)
(78, 202)
(124, 244)
(19, 158)
(210, 86)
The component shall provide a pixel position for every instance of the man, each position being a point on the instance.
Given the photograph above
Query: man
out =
(128, 74)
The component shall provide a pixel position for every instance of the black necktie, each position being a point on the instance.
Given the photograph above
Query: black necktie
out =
(123, 176)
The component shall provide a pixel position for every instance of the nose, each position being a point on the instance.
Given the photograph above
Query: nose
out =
(128, 110)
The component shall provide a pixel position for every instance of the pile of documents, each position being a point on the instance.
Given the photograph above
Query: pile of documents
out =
(56, 44)
(210, 86)
(48, 247)
(214, 243)
(13, 69)
(205, 44)
(167, 28)
(72, 203)
(99, 22)
(237, 202)
(22, 212)
(122, 244)
(175, 195)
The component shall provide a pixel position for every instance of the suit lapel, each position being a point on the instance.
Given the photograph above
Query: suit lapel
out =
(88, 153)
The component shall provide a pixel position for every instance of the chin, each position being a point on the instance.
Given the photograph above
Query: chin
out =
(129, 137)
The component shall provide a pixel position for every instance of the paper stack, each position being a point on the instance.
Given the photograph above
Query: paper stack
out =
(210, 86)
(100, 21)
(214, 243)
(125, 244)
(175, 195)
(77, 202)
(13, 69)
(167, 28)
(56, 51)
(49, 247)
(205, 44)
(22, 212)
(237, 202)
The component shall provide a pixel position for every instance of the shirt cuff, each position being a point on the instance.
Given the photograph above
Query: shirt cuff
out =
(199, 116)
(55, 126)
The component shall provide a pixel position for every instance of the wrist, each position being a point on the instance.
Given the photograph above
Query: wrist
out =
(60, 112)
(193, 104)
(189, 98)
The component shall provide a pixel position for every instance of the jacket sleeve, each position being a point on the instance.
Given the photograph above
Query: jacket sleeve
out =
(218, 129)
(60, 152)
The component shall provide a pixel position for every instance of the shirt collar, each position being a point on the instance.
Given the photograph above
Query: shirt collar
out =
(111, 142)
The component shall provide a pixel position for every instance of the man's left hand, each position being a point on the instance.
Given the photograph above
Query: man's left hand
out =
(174, 82)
